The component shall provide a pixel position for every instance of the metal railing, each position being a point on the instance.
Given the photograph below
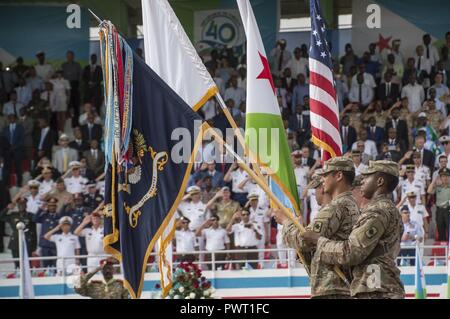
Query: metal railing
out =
(214, 261)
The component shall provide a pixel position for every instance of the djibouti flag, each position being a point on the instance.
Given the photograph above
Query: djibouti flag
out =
(264, 132)
(421, 288)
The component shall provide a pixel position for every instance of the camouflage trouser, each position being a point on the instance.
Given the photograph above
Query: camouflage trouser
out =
(377, 295)
(332, 297)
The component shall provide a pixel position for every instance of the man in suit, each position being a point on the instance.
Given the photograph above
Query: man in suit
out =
(14, 134)
(64, 155)
(92, 80)
(91, 131)
(287, 81)
(78, 144)
(388, 91)
(45, 140)
(393, 143)
(426, 155)
(300, 123)
(374, 132)
(348, 134)
(307, 159)
(95, 158)
(399, 125)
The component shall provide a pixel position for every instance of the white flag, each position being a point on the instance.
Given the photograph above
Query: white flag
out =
(28, 290)
(170, 53)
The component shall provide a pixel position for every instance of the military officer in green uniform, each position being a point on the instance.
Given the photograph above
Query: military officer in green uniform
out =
(334, 221)
(111, 288)
(374, 243)
(15, 217)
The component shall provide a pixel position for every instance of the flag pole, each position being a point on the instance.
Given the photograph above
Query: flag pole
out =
(100, 21)
(238, 134)
(272, 196)
(20, 227)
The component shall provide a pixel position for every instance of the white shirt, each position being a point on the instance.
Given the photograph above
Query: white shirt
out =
(366, 94)
(65, 244)
(415, 95)
(185, 241)
(246, 237)
(209, 110)
(195, 212)
(8, 108)
(75, 185)
(33, 204)
(237, 177)
(45, 187)
(45, 71)
(315, 207)
(215, 238)
(370, 148)
(301, 175)
(425, 64)
(263, 199)
(434, 54)
(94, 240)
(417, 214)
(368, 80)
(235, 94)
(298, 66)
(414, 186)
(259, 216)
(360, 168)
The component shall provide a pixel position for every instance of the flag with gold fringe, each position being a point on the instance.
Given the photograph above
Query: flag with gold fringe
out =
(147, 170)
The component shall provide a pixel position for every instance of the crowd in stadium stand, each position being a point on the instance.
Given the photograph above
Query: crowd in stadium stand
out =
(392, 106)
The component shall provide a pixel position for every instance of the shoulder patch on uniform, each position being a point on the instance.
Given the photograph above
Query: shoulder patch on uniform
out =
(317, 227)
(371, 232)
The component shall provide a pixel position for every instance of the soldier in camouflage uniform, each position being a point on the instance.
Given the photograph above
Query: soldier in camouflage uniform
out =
(374, 242)
(96, 289)
(334, 221)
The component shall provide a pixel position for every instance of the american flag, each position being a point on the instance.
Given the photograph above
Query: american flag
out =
(322, 91)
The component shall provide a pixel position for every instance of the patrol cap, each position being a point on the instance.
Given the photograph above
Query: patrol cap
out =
(316, 179)
(411, 194)
(66, 220)
(444, 139)
(225, 189)
(410, 168)
(108, 261)
(442, 156)
(74, 164)
(253, 195)
(358, 181)
(387, 167)
(210, 161)
(193, 190)
(444, 171)
(356, 152)
(33, 184)
(338, 164)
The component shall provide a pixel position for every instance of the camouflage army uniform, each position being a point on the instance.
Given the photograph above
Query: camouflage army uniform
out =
(334, 221)
(371, 249)
(97, 289)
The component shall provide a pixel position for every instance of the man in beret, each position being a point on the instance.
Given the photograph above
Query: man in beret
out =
(334, 221)
(442, 192)
(110, 288)
(374, 242)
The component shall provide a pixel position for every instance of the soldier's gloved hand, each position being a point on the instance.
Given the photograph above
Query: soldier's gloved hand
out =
(310, 238)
